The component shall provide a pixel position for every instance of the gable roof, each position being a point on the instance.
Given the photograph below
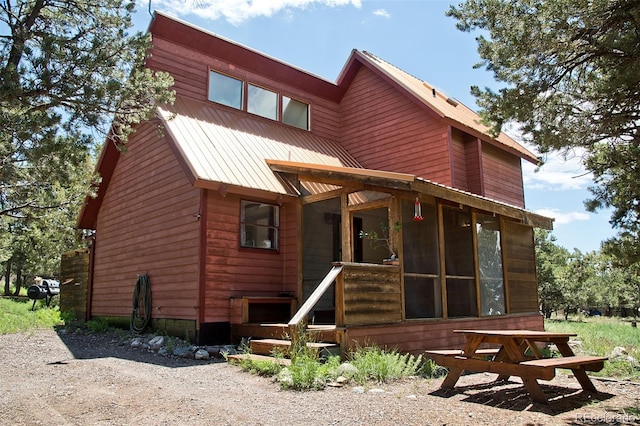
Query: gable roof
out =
(428, 96)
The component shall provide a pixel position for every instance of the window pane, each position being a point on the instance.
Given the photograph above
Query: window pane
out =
(225, 90)
(262, 102)
(259, 225)
(490, 265)
(295, 113)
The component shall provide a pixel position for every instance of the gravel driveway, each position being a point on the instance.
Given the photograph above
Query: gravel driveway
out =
(65, 378)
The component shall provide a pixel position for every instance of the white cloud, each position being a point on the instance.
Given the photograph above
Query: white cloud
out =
(382, 12)
(563, 218)
(238, 11)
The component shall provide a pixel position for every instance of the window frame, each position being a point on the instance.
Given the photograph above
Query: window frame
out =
(272, 227)
(245, 86)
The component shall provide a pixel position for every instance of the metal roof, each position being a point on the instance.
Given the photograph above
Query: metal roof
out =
(225, 146)
(444, 106)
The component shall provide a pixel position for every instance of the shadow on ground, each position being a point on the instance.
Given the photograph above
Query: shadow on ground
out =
(512, 395)
(112, 344)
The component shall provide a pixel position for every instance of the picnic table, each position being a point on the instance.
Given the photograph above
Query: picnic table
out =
(516, 353)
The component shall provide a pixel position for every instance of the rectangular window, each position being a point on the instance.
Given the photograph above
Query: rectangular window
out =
(262, 102)
(259, 225)
(295, 113)
(225, 90)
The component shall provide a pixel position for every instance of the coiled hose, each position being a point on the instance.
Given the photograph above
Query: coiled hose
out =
(141, 313)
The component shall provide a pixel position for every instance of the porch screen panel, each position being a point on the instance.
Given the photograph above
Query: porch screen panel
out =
(459, 263)
(422, 292)
(520, 267)
(490, 265)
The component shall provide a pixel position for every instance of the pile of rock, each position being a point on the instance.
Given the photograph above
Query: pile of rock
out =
(171, 346)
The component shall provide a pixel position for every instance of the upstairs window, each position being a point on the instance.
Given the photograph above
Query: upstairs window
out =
(262, 102)
(225, 90)
(260, 225)
(295, 113)
(231, 91)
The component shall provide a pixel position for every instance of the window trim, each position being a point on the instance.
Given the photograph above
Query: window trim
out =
(274, 244)
(244, 99)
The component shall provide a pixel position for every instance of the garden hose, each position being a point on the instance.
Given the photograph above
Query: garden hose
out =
(141, 313)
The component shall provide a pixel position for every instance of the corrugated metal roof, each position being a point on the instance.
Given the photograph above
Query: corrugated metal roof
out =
(442, 105)
(221, 145)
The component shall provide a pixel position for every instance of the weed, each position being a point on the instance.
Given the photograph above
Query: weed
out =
(98, 325)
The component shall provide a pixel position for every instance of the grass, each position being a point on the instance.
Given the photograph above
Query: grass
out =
(599, 335)
(16, 316)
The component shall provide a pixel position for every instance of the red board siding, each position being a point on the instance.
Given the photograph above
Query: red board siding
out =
(502, 176)
(416, 337)
(232, 271)
(385, 130)
(190, 70)
(147, 224)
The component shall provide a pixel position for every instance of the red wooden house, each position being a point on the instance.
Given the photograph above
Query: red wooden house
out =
(240, 198)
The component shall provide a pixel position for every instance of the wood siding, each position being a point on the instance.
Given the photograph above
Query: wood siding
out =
(148, 224)
(74, 283)
(385, 130)
(520, 268)
(190, 70)
(232, 271)
(467, 163)
(417, 336)
(369, 294)
(502, 174)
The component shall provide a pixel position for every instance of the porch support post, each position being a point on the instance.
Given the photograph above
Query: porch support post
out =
(347, 251)
(443, 269)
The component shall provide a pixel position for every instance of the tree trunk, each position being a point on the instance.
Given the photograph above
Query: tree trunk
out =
(18, 281)
(7, 278)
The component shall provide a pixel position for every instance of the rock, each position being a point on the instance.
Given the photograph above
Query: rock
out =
(285, 377)
(182, 352)
(156, 343)
(201, 354)
(136, 342)
(414, 397)
(619, 352)
(376, 390)
(163, 351)
(213, 351)
(342, 380)
(358, 389)
(347, 370)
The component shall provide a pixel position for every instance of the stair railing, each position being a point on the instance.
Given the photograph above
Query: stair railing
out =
(315, 296)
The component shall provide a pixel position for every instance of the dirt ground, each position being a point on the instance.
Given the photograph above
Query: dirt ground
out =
(65, 378)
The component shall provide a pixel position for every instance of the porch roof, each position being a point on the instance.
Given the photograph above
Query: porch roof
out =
(336, 175)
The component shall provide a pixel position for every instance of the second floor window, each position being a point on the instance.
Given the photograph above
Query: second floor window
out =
(262, 102)
(225, 90)
(245, 96)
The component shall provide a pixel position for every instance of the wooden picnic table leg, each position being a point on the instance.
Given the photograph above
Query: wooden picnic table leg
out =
(535, 390)
(452, 378)
(580, 374)
(470, 348)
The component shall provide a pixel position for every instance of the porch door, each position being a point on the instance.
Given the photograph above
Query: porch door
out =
(321, 245)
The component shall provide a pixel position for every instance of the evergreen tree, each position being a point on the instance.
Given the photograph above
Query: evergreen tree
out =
(572, 81)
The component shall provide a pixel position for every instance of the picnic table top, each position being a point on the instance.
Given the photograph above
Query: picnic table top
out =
(523, 334)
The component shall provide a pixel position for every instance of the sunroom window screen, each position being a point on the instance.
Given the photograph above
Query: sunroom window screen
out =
(259, 225)
(490, 265)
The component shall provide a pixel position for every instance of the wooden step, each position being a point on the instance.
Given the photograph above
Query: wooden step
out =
(267, 346)
(234, 359)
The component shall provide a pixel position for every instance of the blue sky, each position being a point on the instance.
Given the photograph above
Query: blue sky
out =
(318, 36)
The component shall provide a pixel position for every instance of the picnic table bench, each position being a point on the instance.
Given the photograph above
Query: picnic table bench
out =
(516, 354)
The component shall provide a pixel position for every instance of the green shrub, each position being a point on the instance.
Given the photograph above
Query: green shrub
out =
(374, 363)
(98, 325)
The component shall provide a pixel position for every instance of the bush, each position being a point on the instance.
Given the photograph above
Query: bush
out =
(376, 364)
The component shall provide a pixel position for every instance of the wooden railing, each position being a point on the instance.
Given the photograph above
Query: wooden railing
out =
(366, 294)
(315, 296)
